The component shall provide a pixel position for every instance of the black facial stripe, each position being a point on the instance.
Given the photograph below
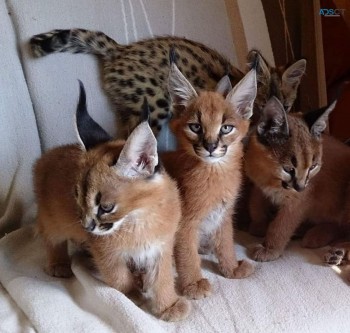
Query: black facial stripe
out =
(98, 198)
(85, 185)
(294, 161)
(199, 116)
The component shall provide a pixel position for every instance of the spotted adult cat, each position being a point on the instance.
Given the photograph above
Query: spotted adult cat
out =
(115, 198)
(131, 72)
(299, 175)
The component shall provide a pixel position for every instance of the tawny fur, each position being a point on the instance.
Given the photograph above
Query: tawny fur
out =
(137, 254)
(325, 199)
(209, 187)
(131, 72)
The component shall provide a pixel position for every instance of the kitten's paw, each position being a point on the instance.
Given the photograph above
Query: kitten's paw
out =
(59, 270)
(334, 256)
(244, 269)
(261, 253)
(197, 290)
(178, 311)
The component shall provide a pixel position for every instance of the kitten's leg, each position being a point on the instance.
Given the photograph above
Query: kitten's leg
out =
(226, 253)
(321, 235)
(115, 273)
(165, 303)
(58, 261)
(279, 233)
(188, 262)
(258, 206)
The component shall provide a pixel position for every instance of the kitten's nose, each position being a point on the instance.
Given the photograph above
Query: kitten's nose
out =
(210, 147)
(91, 226)
(299, 187)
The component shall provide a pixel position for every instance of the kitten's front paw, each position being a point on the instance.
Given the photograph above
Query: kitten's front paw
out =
(59, 270)
(244, 269)
(178, 311)
(334, 256)
(197, 290)
(261, 253)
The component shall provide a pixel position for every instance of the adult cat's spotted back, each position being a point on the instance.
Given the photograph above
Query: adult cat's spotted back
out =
(131, 72)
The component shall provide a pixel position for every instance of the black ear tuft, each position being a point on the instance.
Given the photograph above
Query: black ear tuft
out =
(145, 111)
(90, 133)
(172, 55)
(317, 120)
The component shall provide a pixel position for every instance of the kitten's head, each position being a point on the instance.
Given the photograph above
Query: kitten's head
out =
(281, 82)
(209, 125)
(117, 177)
(285, 150)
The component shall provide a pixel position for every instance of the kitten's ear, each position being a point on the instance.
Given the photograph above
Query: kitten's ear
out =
(293, 74)
(180, 89)
(273, 124)
(139, 156)
(89, 132)
(242, 96)
(224, 86)
(317, 120)
(257, 62)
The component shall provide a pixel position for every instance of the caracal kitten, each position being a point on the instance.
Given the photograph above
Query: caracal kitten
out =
(115, 198)
(300, 175)
(207, 166)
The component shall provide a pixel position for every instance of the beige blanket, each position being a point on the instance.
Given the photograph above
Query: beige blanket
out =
(293, 294)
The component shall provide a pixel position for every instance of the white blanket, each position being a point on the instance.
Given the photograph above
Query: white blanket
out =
(293, 294)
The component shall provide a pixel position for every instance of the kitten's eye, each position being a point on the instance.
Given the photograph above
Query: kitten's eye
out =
(289, 170)
(313, 166)
(225, 129)
(196, 128)
(106, 208)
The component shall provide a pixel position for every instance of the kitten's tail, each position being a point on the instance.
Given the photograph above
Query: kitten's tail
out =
(74, 41)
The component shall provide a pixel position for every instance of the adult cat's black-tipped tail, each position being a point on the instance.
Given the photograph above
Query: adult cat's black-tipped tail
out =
(145, 111)
(90, 133)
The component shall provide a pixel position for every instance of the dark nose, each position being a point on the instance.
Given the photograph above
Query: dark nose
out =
(91, 226)
(299, 187)
(210, 147)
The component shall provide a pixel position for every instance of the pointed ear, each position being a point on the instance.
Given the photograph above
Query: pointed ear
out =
(273, 125)
(180, 89)
(242, 96)
(224, 86)
(90, 133)
(256, 60)
(293, 74)
(317, 120)
(139, 156)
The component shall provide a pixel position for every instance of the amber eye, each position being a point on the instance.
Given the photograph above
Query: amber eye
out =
(196, 128)
(106, 208)
(289, 170)
(225, 129)
(313, 166)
